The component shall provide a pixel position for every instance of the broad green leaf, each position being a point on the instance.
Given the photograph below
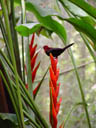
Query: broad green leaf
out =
(10, 117)
(85, 27)
(28, 28)
(43, 11)
(43, 15)
(7, 124)
(45, 32)
(9, 120)
(85, 6)
(73, 8)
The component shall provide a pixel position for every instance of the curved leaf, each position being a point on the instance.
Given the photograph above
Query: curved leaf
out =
(44, 17)
(73, 8)
(85, 6)
(85, 27)
(28, 28)
(11, 117)
(37, 8)
(40, 83)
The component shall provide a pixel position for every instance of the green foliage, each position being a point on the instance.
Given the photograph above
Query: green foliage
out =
(44, 16)
(83, 25)
(9, 120)
(73, 8)
(85, 6)
(28, 28)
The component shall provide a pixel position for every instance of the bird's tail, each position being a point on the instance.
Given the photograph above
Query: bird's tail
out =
(68, 46)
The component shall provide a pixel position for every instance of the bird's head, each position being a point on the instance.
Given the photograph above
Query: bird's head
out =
(46, 48)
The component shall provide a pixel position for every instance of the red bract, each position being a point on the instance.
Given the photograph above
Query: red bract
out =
(32, 41)
(33, 57)
(32, 51)
(26, 86)
(33, 61)
(54, 91)
(34, 72)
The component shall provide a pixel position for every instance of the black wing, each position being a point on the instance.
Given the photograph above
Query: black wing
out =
(55, 51)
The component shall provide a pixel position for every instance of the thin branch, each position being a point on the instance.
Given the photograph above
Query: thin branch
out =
(69, 70)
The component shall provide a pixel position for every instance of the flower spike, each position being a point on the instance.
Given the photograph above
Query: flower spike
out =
(32, 41)
(54, 91)
(34, 72)
(33, 57)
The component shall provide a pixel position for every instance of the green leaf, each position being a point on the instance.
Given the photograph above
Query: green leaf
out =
(38, 9)
(45, 32)
(30, 102)
(73, 8)
(40, 83)
(85, 27)
(85, 6)
(43, 15)
(28, 28)
(9, 118)
(87, 43)
(89, 19)
(63, 125)
(28, 65)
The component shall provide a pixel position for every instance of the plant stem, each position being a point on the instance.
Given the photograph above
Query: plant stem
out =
(15, 38)
(8, 6)
(13, 59)
(27, 114)
(30, 118)
(77, 76)
(30, 101)
(69, 113)
(4, 36)
(80, 87)
(22, 38)
(11, 96)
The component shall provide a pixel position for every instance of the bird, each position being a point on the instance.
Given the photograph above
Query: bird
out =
(55, 51)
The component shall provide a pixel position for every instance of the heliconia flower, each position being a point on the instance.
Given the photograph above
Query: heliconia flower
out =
(33, 61)
(33, 57)
(32, 41)
(32, 51)
(34, 72)
(26, 86)
(54, 91)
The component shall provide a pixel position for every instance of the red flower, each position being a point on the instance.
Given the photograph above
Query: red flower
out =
(33, 57)
(54, 91)
(26, 86)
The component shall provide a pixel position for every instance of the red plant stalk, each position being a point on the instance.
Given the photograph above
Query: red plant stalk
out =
(54, 91)
(33, 57)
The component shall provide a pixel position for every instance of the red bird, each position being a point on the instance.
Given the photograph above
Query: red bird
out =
(55, 51)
